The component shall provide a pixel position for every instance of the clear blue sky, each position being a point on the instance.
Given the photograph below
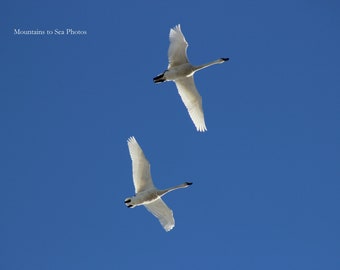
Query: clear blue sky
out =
(266, 174)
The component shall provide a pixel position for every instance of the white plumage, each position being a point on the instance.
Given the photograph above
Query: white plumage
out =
(146, 193)
(181, 72)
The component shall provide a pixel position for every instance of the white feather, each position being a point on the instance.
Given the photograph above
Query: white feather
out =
(181, 72)
(146, 193)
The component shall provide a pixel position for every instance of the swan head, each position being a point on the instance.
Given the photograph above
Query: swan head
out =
(188, 183)
(225, 59)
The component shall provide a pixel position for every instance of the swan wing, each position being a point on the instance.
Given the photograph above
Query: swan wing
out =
(192, 101)
(140, 167)
(177, 52)
(161, 211)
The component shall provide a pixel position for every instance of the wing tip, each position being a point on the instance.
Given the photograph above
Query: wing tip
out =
(132, 143)
(131, 139)
(202, 129)
(169, 227)
(175, 29)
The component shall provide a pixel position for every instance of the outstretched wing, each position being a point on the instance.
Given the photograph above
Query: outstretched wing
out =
(192, 101)
(140, 167)
(161, 211)
(177, 52)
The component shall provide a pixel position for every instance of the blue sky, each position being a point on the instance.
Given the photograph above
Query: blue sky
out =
(266, 174)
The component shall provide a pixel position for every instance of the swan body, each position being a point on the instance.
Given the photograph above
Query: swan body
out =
(177, 72)
(146, 193)
(181, 72)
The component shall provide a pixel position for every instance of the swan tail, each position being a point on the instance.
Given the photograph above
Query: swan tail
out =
(160, 78)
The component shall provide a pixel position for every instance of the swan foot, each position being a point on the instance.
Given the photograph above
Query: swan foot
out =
(160, 78)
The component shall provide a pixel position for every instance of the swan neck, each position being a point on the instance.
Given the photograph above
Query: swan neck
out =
(165, 191)
(196, 68)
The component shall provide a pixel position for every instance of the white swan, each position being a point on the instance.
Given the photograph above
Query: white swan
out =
(181, 72)
(146, 193)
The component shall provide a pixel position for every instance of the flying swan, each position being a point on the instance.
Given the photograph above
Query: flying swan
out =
(146, 193)
(182, 73)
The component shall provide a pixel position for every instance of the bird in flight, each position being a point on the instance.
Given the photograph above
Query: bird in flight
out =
(182, 73)
(146, 193)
